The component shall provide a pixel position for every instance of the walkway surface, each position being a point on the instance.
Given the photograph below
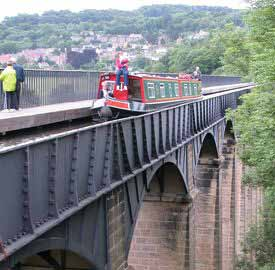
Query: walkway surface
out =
(44, 115)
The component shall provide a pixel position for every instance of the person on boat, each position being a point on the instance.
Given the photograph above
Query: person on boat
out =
(122, 69)
(197, 74)
(107, 89)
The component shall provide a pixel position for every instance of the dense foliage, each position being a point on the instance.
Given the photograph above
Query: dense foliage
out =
(205, 53)
(224, 51)
(255, 119)
(255, 122)
(54, 28)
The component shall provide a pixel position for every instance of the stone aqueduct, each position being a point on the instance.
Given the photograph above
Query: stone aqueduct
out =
(168, 195)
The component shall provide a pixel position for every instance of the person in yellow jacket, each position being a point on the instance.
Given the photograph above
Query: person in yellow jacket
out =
(8, 76)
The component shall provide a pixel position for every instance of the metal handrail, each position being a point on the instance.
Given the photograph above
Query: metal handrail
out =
(46, 87)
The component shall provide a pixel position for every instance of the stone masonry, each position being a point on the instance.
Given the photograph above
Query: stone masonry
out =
(206, 206)
(206, 233)
(202, 230)
(115, 225)
(161, 237)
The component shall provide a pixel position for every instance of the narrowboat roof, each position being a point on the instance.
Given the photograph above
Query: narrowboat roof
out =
(152, 76)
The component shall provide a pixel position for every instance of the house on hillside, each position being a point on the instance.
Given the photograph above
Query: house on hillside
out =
(4, 58)
(135, 38)
(76, 37)
(163, 39)
(199, 35)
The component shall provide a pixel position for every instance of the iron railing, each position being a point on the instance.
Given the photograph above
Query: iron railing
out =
(46, 87)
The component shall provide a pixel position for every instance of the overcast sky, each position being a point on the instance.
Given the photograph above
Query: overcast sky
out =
(14, 7)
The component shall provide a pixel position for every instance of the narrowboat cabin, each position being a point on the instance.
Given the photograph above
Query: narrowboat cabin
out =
(145, 93)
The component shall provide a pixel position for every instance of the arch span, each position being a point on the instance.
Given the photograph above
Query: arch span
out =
(229, 132)
(161, 235)
(49, 258)
(53, 245)
(209, 148)
(170, 176)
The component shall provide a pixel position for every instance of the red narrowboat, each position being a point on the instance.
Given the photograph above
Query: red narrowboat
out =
(145, 93)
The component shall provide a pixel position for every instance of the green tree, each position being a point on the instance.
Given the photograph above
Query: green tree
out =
(255, 122)
(262, 36)
(255, 119)
(203, 53)
(157, 67)
(8, 47)
(140, 63)
(237, 54)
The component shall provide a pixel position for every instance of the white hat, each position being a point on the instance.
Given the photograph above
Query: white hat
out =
(13, 60)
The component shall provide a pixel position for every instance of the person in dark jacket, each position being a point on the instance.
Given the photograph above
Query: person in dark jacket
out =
(20, 78)
(197, 74)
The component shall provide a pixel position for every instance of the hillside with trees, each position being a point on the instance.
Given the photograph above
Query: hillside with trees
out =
(54, 29)
(224, 51)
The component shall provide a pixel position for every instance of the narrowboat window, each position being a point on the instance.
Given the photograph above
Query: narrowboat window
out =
(195, 89)
(176, 89)
(170, 89)
(191, 89)
(151, 90)
(162, 89)
(186, 89)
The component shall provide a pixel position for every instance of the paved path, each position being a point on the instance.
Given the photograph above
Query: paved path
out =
(44, 115)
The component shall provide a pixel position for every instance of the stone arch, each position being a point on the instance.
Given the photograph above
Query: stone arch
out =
(48, 253)
(209, 147)
(208, 142)
(161, 235)
(228, 132)
(168, 165)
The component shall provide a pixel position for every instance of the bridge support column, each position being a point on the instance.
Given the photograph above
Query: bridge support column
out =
(228, 203)
(161, 235)
(239, 204)
(161, 238)
(116, 230)
(206, 217)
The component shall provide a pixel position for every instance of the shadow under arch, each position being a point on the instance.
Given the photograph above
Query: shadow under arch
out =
(229, 132)
(209, 148)
(51, 252)
(158, 171)
(160, 236)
